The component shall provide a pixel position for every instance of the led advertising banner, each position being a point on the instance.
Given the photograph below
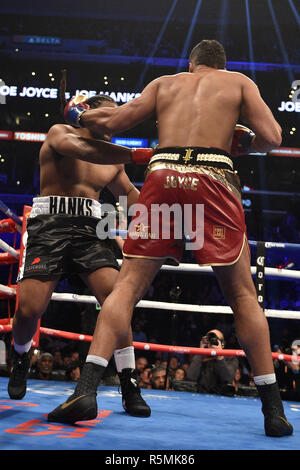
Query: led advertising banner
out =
(25, 136)
(130, 142)
(30, 136)
(53, 93)
(6, 135)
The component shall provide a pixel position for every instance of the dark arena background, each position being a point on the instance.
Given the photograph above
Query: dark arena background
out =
(117, 47)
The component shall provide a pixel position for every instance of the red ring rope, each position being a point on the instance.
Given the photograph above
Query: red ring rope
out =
(6, 258)
(8, 225)
(159, 347)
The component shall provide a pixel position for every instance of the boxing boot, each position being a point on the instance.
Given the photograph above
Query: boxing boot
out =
(18, 378)
(82, 404)
(132, 401)
(276, 424)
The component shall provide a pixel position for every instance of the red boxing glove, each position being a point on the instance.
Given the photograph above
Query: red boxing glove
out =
(74, 110)
(141, 156)
(241, 141)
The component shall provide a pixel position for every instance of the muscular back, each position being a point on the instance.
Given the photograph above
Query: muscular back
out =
(66, 175)
(198, 109)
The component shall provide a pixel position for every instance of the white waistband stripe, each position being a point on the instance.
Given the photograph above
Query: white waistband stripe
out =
(212, 157)
(164, 156)
(65, 205)
(201, 157)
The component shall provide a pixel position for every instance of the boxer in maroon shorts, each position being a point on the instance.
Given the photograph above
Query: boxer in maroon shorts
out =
(212, 185)
(198, 108)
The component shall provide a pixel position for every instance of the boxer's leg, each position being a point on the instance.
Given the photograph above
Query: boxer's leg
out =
(250, 322)
(101, 283)
(34, 297)
(253, 333)
(133, 281)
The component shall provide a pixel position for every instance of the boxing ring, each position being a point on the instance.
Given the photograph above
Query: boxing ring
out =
(192, 421)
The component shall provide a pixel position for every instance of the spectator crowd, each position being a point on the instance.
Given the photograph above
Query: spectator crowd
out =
(197, 373)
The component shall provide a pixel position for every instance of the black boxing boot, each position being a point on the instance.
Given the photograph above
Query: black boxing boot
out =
(132, 401)
(82, 404)
(276, 424)
(18, 378)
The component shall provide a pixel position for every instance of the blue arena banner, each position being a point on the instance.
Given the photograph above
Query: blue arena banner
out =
(128, 142)
(37, 40)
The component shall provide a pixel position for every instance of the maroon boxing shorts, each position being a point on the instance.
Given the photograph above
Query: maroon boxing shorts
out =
(191, 200)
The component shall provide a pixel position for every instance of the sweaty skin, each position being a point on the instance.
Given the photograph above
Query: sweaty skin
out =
(67, 166)
(199, 108)
(196, 108)
(64, 175)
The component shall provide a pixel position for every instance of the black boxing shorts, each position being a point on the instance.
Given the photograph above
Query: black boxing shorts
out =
(61, 238)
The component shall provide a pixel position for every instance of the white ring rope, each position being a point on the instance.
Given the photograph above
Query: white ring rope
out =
(174, 306)
(182, 267)
(7, 290)
(269, 272)
(5, 247)
(89, 299)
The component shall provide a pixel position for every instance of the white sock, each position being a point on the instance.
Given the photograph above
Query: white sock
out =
(22, 348)
(96, 360)
(125, 358)
(265, 379)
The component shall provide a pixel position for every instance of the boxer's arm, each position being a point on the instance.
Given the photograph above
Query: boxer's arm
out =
(122, 186)
(111, 120)
(69, 144)
(256, 114)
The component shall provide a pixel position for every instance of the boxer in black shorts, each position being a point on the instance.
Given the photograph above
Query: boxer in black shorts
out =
(62, 240)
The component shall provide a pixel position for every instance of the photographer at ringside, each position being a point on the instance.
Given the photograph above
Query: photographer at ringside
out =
(212, 374)
(288, 372)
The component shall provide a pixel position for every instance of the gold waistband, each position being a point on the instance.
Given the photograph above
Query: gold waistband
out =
(201, 157)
